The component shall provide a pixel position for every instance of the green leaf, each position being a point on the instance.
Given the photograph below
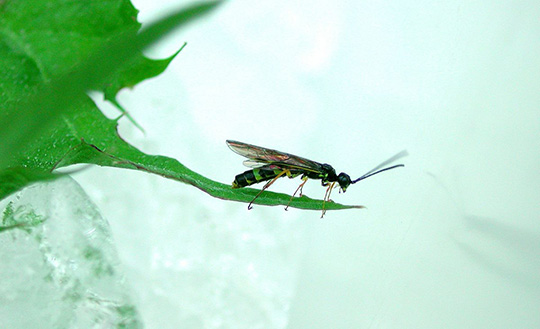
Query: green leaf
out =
(51, 54)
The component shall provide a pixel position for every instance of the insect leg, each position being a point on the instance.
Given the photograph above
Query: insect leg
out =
(304, 180)
(327, 197)
(267, 185)
(330, 192)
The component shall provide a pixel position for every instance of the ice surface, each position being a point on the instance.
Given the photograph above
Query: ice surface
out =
(60, 268)
(59, 265)
(196, 262)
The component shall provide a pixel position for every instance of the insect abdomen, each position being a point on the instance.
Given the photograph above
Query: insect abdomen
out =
(256, 175)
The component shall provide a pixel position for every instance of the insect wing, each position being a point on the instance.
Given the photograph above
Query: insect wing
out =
(253, 164)
(262, 155)
(303, 163)
(257, 153)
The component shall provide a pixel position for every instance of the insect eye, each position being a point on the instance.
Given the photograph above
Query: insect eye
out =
(344, 181)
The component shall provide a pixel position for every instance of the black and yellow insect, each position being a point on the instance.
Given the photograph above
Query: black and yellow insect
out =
(269, 165)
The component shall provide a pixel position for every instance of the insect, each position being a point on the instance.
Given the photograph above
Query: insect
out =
(269, 165)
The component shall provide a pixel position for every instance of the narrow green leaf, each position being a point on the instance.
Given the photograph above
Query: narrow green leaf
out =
(123, 155)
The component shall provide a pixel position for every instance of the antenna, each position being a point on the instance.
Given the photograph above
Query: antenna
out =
(376, 170)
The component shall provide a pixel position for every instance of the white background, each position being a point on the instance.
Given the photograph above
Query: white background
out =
(450, 241)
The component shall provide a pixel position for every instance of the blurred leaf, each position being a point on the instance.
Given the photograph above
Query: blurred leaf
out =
(128, 76)
(135, 73)
(28, 110)
(12, 179)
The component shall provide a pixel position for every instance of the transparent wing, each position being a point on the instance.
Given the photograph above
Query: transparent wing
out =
(261, 155)
(253, 164)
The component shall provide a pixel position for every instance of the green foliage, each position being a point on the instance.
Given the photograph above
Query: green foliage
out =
(53, 52)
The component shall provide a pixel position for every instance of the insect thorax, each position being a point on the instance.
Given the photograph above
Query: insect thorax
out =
(327, 174)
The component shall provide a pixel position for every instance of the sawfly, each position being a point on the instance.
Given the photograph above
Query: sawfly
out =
(269, 165)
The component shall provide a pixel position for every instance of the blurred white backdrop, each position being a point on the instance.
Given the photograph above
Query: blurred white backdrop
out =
(450, 241)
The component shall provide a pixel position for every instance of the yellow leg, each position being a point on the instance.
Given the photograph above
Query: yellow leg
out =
(330, 192)
(327, 197)
(267, 185)
(299, 188)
